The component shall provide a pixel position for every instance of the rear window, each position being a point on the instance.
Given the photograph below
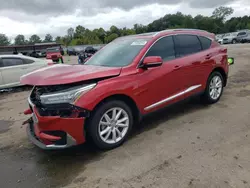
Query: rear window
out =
(7, 62)
(241, 33)
(205, 42)
(28, 61)
(186, 44)
(53, 49)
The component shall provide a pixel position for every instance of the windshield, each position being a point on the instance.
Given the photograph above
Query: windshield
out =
(118, 53)
(53, 50)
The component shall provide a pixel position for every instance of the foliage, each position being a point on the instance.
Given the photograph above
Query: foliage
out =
(48, 38)
(34, 39)
(20, 40)
(216, 24)
(4, 41)
(70, 33)
(222, 12)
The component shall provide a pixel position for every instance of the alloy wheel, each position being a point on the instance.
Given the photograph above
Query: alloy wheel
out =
(215, 87)
(113, 125)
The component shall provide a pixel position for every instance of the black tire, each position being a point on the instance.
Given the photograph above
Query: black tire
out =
(93, 124)
(206, 97)
(234, 41)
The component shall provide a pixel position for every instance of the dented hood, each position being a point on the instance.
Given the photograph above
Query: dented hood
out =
(65, 74)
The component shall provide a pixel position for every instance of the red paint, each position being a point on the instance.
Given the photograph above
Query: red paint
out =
(72, 126)
(28, 111)
(53, 55)
(65, 74)
(144, 86)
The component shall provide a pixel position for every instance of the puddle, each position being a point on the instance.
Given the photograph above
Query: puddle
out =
(5, 126)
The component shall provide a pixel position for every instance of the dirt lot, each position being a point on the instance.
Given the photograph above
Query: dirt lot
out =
(189, 145)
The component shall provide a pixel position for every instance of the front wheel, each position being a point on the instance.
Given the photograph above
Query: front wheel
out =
(110, 124)
(234, 41)
(214, 88)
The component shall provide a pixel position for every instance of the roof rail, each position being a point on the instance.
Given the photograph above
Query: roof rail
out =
(179, 29)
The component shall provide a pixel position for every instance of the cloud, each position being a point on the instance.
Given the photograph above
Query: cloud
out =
(53, 16)
(209, 3)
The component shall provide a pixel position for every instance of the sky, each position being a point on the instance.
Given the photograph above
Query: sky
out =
(29, 17)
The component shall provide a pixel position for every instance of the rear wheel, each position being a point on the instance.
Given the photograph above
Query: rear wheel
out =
(214, 88)
(110, 124)
(234, 41)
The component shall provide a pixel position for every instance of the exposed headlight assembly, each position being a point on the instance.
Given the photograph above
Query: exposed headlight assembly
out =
(66, 96)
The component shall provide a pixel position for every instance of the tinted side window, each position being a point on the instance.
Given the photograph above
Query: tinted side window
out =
(241, 33)
(28, 61)
(205, 42)
(164, 48)
(7, 62)
(186, 44)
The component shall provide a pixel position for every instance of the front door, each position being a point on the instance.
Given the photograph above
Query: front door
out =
(162, 85)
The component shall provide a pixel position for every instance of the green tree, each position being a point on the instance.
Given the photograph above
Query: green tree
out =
(20, 40)
(101, 33)
(34, 39)
(48, 38)
(58, 39)
(114, 29)
(79, 31)
(111, 37)
(222, 12)
(70, 33)
(4, 40)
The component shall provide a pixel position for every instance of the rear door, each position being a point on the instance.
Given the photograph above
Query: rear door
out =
(12, 70)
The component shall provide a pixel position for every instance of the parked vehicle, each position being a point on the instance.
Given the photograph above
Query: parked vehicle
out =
(86, 54)
(230, 38)
(244, 36)
(12, 67)
(219, 38)
(71, 51)
(129, 78)
(54, 54)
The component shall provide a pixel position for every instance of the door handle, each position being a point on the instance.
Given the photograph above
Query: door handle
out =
(177, 67)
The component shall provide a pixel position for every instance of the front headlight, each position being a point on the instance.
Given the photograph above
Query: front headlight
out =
(67, 96)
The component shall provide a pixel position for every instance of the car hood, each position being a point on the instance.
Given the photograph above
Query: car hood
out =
(65, 74)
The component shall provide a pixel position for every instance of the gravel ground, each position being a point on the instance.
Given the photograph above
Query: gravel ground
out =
(187, 145)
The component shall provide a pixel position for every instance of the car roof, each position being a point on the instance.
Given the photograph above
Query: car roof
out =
(17, 56)
(171, 31)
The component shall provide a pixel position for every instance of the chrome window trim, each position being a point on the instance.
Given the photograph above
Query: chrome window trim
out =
(172, 97)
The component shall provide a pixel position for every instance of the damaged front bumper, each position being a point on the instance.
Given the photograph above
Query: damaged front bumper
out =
(51, 131)
(70, 141)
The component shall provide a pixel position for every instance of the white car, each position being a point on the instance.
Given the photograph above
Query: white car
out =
(12, 67)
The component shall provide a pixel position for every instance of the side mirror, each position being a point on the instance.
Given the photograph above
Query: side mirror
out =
(230, 60)
(152, 61)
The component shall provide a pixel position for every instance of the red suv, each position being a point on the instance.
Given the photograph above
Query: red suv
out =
(130, 77)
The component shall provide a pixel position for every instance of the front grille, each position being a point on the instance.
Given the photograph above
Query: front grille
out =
(54, 57)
